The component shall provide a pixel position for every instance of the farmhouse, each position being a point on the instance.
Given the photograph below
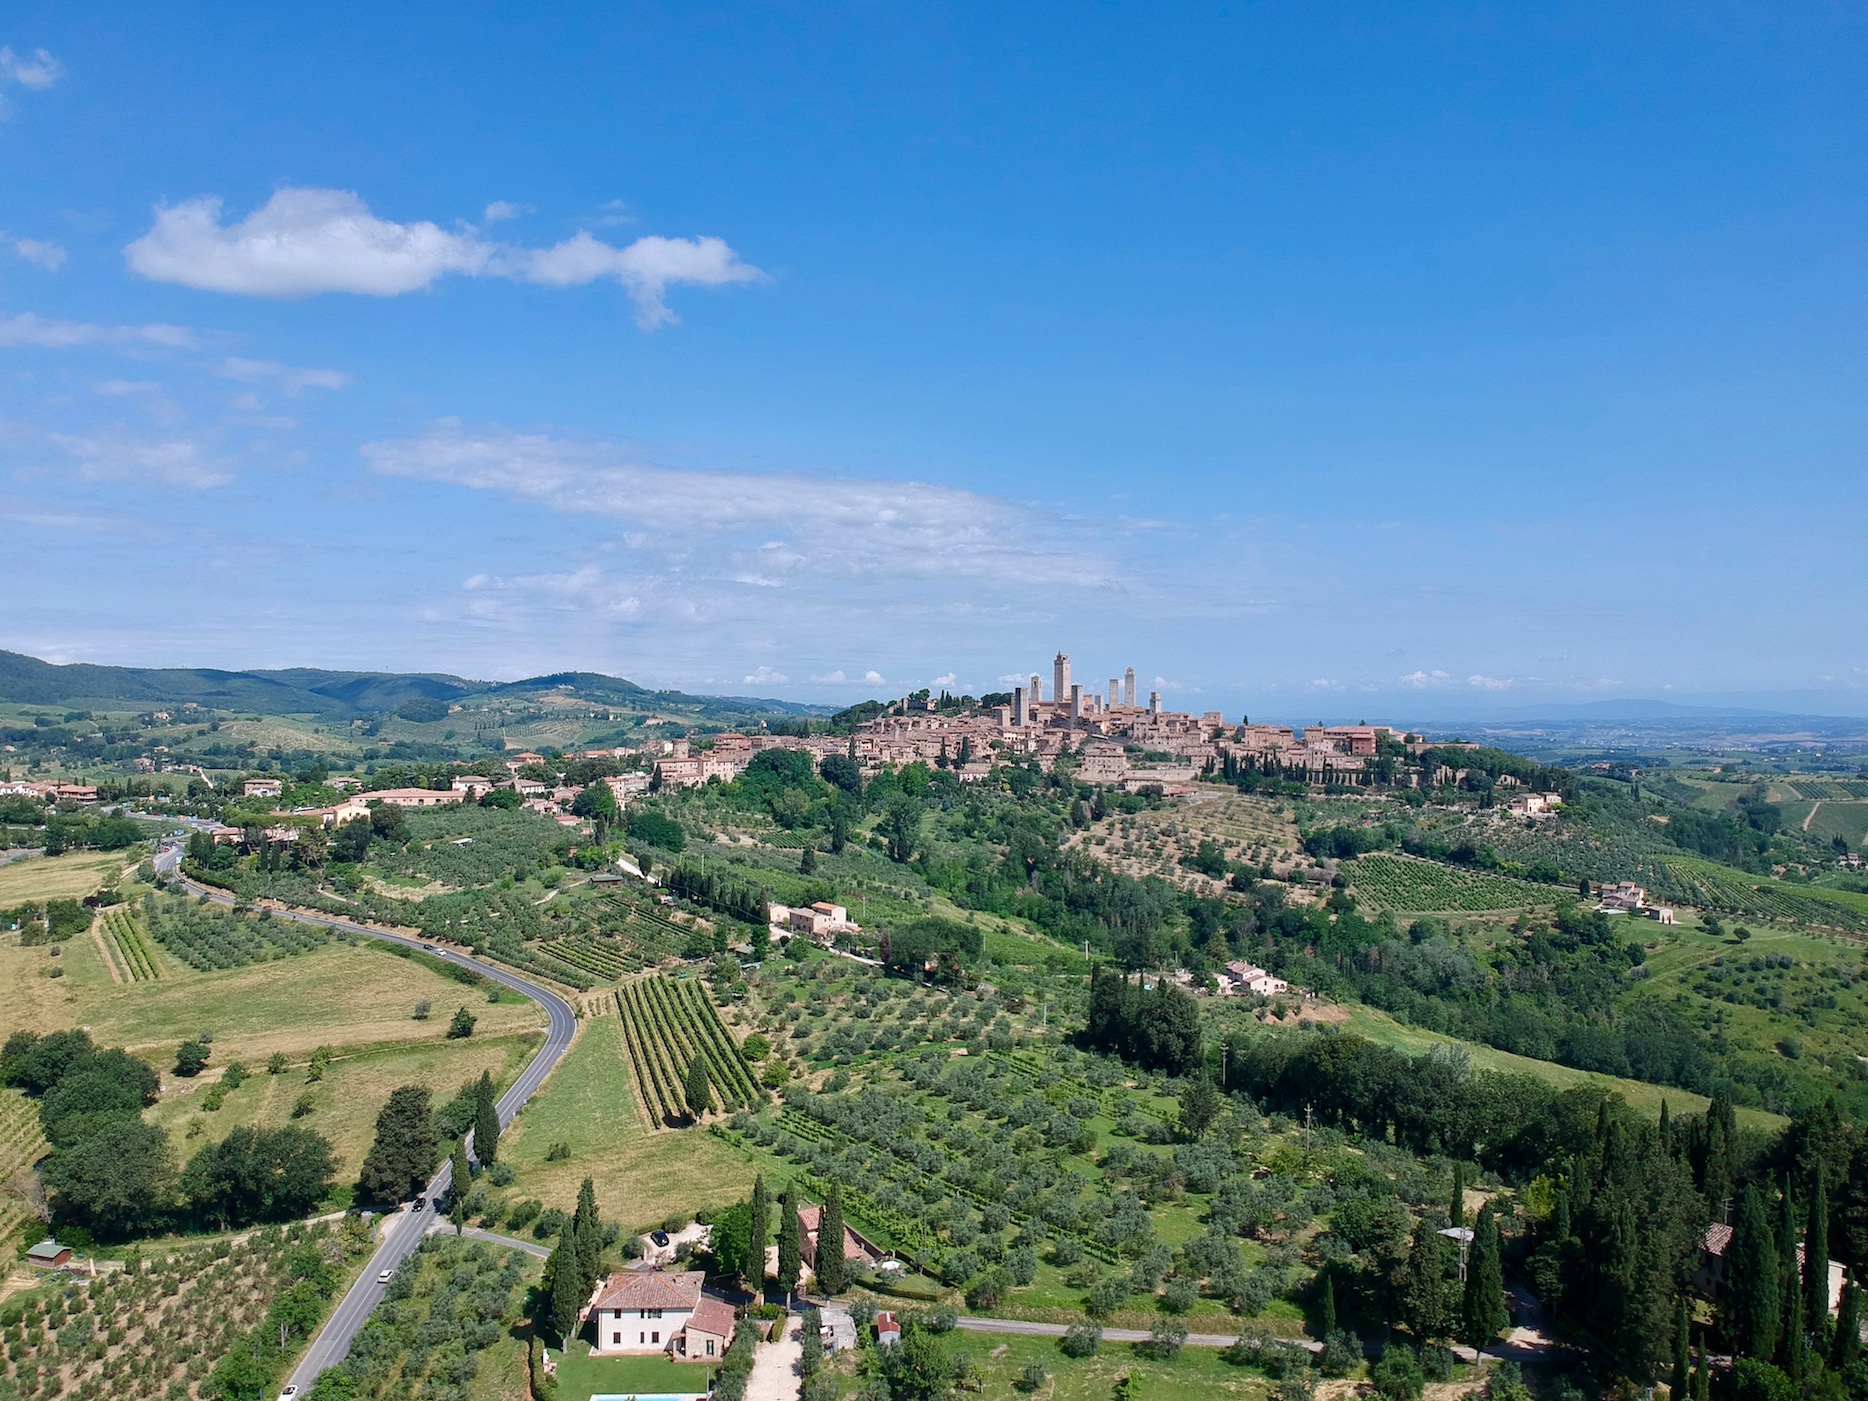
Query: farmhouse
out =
(1241, 977)
(855, 1246)
(262, 788)
(647, 1311)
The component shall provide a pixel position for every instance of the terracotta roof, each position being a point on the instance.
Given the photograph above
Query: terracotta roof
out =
(649, 1289)
(1718, 1237)
(713, 1316)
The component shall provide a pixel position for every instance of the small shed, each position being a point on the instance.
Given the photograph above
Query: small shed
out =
(48, 1254)
(888, 1329)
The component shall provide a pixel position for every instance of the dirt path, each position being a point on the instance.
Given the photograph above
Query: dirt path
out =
(103, 951)
(1810, 816)
(777, 1367)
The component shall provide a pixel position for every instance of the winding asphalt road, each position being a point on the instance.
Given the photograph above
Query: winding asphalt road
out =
(405, 1228)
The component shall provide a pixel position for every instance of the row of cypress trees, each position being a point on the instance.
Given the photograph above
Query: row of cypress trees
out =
(571, 1272)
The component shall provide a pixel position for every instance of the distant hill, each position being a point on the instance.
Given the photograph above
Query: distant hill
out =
(307, 691)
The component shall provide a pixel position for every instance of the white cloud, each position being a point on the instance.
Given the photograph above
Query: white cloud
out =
(1425, 680)
(40, 252)
(764, 676)
(1490, 683)
(1325, 683)
(116, 388)
(115, 457)
(834, 678)
(873, 678)
(880, 527)
(503, 209)
(27, 328)
(38, 72)
(292, 381)
(303, 242)
(945, 681)
(579, 589)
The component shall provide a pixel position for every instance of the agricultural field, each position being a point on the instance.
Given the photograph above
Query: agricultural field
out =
(667, 1024)
(157, 1328)
(21, 1146)
(341, 1101)
(1405, 883)
(1826, 818)
(1725, 890)
(132, 955)
(1248, 831)
(70, 876)
(587, 1122)
(830, 1012)
(445, 1331)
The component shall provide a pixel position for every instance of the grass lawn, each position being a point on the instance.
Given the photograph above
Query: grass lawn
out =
(346, 1101)
(581, 1376)
(1196, 1372)
(73, 875)
(1641, 1096)
(640, 1176)
(339, 995)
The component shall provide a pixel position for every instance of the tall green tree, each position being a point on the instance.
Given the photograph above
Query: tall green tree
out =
(790, 1247)
(1199, 1106)
(1423, 1295)
(404, 1151)
(697, 1086)
(1456, 1204)
(462, 1173)
(1846, 1346)
(116, 1180)
(1326, 1305)
(1682, 1379)
(567, 1293)
(1482, 1312)
(587, 1232)
(1789, 1284)
(486, 1121)
(833, 1274)
(1753, 1298)
(1816, 1253)
(758, 1234)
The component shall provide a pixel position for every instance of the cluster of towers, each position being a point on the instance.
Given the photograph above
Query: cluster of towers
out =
(1069, 699)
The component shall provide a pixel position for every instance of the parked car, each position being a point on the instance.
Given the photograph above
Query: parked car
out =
(659, 1237)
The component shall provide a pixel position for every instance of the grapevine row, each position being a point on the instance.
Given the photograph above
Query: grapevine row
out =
(657, 1102)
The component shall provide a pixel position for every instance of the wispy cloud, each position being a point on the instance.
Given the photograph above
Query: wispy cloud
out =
(40, 253)
(307, 241)
(117, 388)
(1426, 680)
(28, 328)
(586, 589)
(1490, 683)
(292, 381)
(764, 676)
(879, 527)
(118, 457)
(37, 73)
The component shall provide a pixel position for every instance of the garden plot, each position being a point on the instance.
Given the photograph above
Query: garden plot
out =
(1245, 831)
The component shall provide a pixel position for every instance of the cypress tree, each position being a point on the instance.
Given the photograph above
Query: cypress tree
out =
(1326, 1307)
(1816, 1254)
(1483, 1314)
(462, 1175)
(1789, 1282)
(790, 1249)
(1846, 1347)
(697, 1087)
(1702, 1377)
(1753, 1298)
(833, 1274)
(1793, 1343)
(1424, 1296)
(1682, 1350)
(486, 1121)
(1666, 1128)
(566, 1295)
(761, 1221)
(1456, 1208)
(587, 1236)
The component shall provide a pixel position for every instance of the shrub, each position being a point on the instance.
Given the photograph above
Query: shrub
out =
(1080, 1340)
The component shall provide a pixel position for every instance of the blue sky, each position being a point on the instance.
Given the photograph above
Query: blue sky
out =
(1311, 359)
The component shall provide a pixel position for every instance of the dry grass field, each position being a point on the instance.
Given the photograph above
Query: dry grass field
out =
(69, 877)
